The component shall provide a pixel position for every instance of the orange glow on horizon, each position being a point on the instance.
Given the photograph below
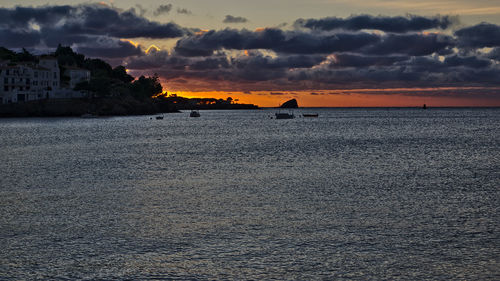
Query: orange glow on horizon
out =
(396, 97)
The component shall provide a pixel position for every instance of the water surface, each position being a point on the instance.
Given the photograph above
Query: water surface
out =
(354, 194)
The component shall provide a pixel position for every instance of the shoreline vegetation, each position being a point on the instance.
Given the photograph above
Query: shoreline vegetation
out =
(110, 91)
(114, 106)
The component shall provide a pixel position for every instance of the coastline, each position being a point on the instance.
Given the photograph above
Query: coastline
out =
(112, 106)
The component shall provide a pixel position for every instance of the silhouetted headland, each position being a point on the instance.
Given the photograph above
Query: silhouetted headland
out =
(65, 83)
(290, 104)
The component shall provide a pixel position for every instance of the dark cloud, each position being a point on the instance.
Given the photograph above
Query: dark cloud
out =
(300, 42)
(210, 63)
(233, 19)
(183, 11)
(387, 24)
(109, 48)
(163, 9)
(329, 53)
(479, 36)
(273, 39)
(471, 61)
(340, 70)
(411, 44)
(22, 17)
(157, 59)
(19, 38)
(494, 54)
(258, 61)
(352, 60)
(72, 24)
(277, 94)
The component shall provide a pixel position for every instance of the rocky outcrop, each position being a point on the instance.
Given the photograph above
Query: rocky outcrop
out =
(290, 104)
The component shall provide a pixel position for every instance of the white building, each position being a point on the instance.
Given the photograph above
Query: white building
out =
(27, 81)
(76, 75)
(51, 64)
(24, 83)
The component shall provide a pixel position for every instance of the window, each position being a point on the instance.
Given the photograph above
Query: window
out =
(55, 75)
(36, 74)
(13, 80)
(6, 88)
(6, 80)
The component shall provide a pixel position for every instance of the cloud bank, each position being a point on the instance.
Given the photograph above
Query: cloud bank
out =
(327, 53)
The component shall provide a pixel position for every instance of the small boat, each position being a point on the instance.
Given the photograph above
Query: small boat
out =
(310, 115)
(194, 113)
(159, 117)
(424, 107)
(280, 115)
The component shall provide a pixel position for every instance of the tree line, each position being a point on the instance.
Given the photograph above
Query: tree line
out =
(105, 81)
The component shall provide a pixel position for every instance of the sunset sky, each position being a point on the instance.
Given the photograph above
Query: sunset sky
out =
(321, 52)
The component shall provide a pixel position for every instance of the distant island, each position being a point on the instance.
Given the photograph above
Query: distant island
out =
(66, 83)
(290, 104)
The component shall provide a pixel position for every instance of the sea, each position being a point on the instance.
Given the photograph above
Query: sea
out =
(354, 194)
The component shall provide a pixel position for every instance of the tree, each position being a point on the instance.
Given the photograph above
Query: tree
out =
(6, 54)
(66, 56)
(120, 73)
(98, 68)
(26, 56)
(146, 87)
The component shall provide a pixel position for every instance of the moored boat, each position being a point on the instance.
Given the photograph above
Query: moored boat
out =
(194, 113)
(281, 115)
(310, 115)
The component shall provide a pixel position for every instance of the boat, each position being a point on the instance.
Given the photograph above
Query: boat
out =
(424, 107)
(310, 115)
(194, 113)
(281, 115)
(159, 117)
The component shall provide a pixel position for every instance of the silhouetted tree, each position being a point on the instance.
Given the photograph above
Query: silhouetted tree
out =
(66, 56)
(6, 54)
(120, 73)
(26, 56)
(146, 87)
(98, 68)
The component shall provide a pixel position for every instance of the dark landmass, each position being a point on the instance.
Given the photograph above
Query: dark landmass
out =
(290, 104)
(110, 91)
(113, 106)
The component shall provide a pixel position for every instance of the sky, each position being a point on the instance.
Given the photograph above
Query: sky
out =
(345, 53)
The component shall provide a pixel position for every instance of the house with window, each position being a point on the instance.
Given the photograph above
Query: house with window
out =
(76, 75)
(22, 82)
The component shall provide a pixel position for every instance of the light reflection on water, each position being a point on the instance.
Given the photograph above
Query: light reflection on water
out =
(353, 194)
